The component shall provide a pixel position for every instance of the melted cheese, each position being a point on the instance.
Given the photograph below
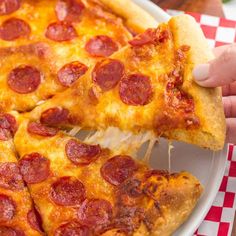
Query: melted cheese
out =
(120, 141)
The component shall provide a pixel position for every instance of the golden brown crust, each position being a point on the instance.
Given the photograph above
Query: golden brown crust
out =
(208, 101)
(136, 18)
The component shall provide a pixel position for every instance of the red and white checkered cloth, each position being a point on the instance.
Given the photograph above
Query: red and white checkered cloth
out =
(219, 220)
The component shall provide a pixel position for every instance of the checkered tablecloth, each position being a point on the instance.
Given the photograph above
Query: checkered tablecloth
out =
(219, 220)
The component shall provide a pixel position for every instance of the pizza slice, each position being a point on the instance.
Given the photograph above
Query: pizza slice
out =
(48, 45)
(82, 189)
(17, 213)
(146, 86)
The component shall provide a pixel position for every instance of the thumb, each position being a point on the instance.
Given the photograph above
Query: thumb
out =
(218, 72)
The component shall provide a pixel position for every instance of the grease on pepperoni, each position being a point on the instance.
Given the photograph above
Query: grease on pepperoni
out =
(9, 231)
(60, 31)
(136, 90)
(69, 10)
(14, 28)
(69, 73)
(81, 153)
(72, 228)
(101, 46)
(7, 208)
(10, 177)
(9, 6)
(67, 191)
(54, 116)
(117, 169)
(40, 129)
(108, 73)
(24, 79)
(35, 220)
(8, 126)
(34, 168)
(95, 212)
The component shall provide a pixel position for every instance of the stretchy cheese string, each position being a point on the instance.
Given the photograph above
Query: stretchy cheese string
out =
(170, 147)
(74, 131)
(120, 141)
(148, 153)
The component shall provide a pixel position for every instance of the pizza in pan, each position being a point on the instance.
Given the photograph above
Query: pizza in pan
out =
(83, 189)
(18, 216)
(146, 86)
(68, 35)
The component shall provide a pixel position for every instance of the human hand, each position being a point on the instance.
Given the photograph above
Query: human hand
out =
(222, 72)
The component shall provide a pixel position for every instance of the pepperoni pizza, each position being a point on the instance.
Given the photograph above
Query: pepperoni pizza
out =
(18, 216)
(67, 35)
(82, 189)
(146, 86)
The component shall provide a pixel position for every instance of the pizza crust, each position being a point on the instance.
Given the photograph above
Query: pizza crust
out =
(208, 101)
(135, 17)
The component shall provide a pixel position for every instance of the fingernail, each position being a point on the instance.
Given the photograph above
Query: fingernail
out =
(201, 72)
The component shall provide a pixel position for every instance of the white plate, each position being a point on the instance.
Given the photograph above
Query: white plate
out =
(207, 166)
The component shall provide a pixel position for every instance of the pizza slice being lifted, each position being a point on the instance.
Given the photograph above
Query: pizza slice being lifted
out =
(82, 189)
(146, 86)
(18, 215)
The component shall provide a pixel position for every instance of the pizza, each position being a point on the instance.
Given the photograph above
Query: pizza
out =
(18, 216)
(83, 189)
(105, 67)
(146, 86)
(67, 35)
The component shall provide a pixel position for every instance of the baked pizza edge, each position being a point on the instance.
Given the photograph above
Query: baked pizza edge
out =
(136, 18)
(208, 101)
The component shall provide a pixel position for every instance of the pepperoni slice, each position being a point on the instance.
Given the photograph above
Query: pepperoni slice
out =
(7, 208)
(72, 228)
(117, 169)
(136, 90)
(35, 220)
(61, 31)
(8, 121)
(81, 153)
(10, 177)
(69, 73)
(101, 46)
(108, 73)
(9, 231)
(8, 126)
(69, 10)
(94, 212)
(54, 116)
(34, 167)
(14, 28)
(67, 191)
(40, 129)
(150, 36)
(9, 6)
(24, 79)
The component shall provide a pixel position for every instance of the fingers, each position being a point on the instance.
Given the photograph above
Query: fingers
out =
(231, 130)
(230, 112)
(230, 106)
(220, 71)
(229, 89)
